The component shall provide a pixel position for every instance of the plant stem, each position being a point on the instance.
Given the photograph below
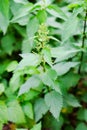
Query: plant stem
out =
(83, 42)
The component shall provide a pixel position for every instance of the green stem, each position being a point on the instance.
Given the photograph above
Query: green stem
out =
(83, 42)
(43, 64)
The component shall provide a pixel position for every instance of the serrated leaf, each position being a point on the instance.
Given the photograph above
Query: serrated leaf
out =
(49, 80)
(46, 79)
(55, 102)
(42, 107)
(32, 82)
(15, 113)
(29, 59)
(63, 67)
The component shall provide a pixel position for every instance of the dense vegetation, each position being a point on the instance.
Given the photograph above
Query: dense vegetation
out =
(43, 65)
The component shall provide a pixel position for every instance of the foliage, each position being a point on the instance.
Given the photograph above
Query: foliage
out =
(43, 65)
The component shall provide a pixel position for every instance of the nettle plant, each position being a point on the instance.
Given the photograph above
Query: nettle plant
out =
(46, 85)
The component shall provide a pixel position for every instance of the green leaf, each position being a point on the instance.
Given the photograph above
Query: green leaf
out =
(56, 11)
(37, 127)
(51, 21)
(31, 94)
(84, 97)
(7, 43)
(48, 80)
(47, 2)
(20, 12)
(3, 66)
(1, 125)
(64, 52)
(2, 88)
(71, 80)
(4, 15)
(27, 45)
(32, 27)
(15, 112)
(72, 100)
(29, 59)
(51, 123)
(45, 78)
(82, 114)
(32, 82)
(81, 126)
(55, 102)
(21, 1)
(47, 55)
(42, 107)
(42, 16)
(11, 66)
(15, 82)
(3, 112)
(52, 73)
(63, 67)
(69, 28)
(21, 30)
(28, 110)
(56, 87)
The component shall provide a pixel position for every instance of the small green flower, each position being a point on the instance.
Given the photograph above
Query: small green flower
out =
(42, 36)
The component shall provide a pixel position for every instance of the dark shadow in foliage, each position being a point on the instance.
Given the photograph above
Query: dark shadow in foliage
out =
(9, 126)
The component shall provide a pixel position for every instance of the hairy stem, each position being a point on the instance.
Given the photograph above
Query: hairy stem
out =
(83, 42)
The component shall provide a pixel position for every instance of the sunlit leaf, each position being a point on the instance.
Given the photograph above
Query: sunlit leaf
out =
(55, 102)
(32, 82)
(15, 112)
(63, 67)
